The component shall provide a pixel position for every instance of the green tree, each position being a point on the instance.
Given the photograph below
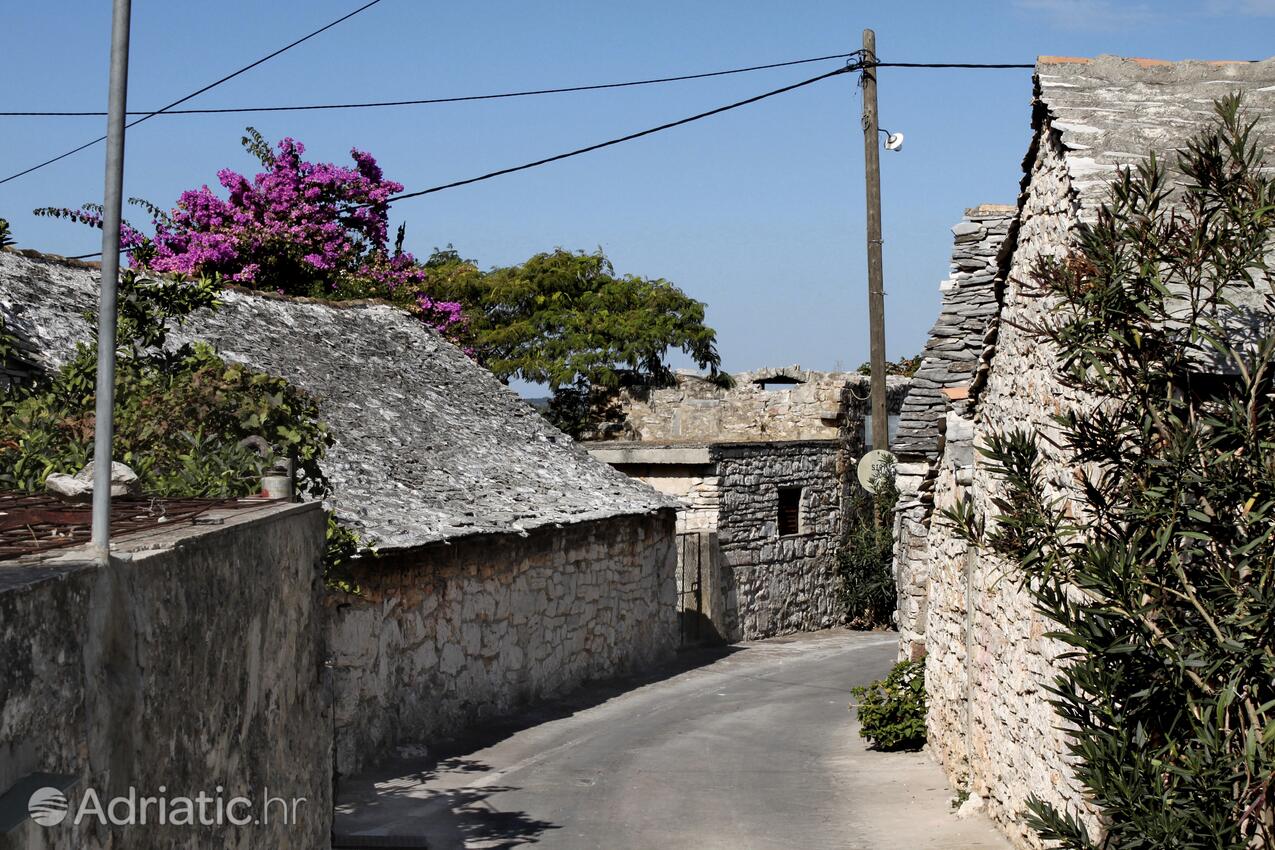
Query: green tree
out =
(567, 320)
(865, 561)
(1158, 563)
(905, 366)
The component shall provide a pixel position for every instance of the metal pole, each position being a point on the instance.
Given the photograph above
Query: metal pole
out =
(104, 423)
(876, 296)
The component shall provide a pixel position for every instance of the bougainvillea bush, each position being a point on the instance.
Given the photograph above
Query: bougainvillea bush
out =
(296, 228)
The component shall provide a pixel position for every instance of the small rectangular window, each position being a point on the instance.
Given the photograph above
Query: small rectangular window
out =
(789, 511)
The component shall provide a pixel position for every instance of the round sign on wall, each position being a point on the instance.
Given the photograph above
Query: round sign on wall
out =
(870, 463)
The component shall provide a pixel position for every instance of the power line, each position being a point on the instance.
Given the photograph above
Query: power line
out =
(458, 99)
(200, 91)
(948, 65)
(528, 93)
(851, 66)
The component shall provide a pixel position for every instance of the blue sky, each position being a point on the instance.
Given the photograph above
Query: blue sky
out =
(758, 212)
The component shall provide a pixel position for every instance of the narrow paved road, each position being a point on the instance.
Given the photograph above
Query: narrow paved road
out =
(752, 748)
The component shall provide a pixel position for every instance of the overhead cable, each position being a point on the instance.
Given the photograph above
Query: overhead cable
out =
(454, 99)
(853, 66)
(197, 92)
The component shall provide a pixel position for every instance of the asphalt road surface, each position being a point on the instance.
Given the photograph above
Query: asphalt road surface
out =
(747, 747)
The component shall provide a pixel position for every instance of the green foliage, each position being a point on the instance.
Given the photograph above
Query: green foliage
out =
(1157, 561)
(865, 561)
(181, 416)
(892, 710)
(342, 546)
(6, 235)
(905, 366)
(567, 320)
(147, 307)
(179, 423)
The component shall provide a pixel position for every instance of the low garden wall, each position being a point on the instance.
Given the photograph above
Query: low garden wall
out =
(190, 665)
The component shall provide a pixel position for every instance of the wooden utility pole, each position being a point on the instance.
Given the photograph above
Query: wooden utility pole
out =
(876, 294)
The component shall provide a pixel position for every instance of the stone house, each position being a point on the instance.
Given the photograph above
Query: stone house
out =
(988, 663)
(762, 471)
(510, 565)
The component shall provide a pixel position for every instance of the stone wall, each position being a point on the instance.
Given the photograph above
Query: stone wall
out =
(191, 662)
(956, 344)
(787, 403)
(696, 486)
(450, 634)
(987, 662)
(776, 584)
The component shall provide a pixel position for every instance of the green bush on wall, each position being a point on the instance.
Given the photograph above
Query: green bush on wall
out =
(892, 710)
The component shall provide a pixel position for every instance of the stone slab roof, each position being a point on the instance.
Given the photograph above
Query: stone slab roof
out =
(957, 339)
(429, 446)
(1111, 111)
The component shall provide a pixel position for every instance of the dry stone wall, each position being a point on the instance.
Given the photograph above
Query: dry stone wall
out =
(188, 664)
(441, 638)
(957, 342)
(988, 662)
(766, 405)
(776, 584)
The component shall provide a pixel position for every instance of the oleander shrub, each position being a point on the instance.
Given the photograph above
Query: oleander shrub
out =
(1155, 557)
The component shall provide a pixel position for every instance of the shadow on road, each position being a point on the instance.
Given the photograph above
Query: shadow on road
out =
(588, 695)
(447, 818)
(454, 812)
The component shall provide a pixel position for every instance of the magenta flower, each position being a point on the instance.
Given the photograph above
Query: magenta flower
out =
(298, 228)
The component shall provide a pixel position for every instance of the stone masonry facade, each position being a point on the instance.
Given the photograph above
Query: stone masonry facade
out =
(778, 584)
(988, 662)
(441, 638)
(726, 454)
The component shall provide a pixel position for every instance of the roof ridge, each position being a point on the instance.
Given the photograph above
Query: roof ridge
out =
(345, 303)
(1139, 60)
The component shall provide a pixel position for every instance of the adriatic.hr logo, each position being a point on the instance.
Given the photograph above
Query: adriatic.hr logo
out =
(48, 806)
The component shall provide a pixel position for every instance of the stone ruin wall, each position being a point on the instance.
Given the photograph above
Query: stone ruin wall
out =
(455, 633)
(697, 410)
(768, 585)
(987, 662)
(778, 585)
